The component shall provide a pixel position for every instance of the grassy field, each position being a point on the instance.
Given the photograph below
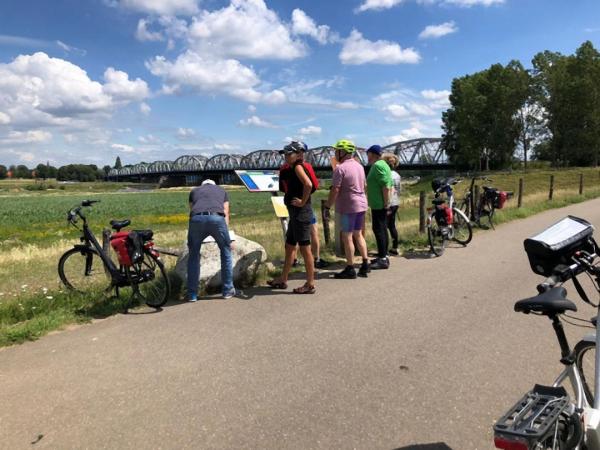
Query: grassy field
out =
(34, 233)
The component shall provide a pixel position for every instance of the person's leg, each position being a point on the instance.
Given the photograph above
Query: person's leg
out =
(348, 247)
(391, 225)
(196, 234)
(378, 217)
(315, 246)
(290, 252)
(220, 232)
(309, 264)
(359, 235)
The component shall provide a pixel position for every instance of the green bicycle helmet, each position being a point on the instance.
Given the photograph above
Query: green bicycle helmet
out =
(345, 145)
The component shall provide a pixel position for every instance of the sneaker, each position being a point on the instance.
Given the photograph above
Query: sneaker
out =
(393, 251)
(192, 298)
(364, 269)
(232, 293)
(321, 264)
(380, 264)
(349, 273)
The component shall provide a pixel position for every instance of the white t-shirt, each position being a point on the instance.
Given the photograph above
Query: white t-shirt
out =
(396, 188)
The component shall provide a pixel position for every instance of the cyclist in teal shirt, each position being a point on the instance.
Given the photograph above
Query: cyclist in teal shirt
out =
(379, 187)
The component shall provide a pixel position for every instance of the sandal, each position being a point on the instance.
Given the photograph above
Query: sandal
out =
(276, 284)
(306, 289)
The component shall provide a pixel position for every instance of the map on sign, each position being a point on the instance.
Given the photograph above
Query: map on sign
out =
(259, 180)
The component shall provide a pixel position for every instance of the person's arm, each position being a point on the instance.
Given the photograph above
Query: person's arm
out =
(306, 183)
(190, 201)
(333, 194)
(226, 210)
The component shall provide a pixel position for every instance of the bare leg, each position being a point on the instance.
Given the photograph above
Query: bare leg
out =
(309, 264)
(290, 251)
(314, 241)
(348, 247)
(361, 244)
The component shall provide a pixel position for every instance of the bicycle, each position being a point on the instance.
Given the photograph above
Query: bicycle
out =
(487, 203)
(445, 222)
(547, 417)
(87, 266)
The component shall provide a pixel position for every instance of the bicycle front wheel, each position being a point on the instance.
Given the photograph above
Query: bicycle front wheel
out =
(463, 232)
(82, 270)
(585, 359)
(437, 237)
(149, 281)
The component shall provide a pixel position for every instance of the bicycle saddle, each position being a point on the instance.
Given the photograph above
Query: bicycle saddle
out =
(550, 302)
(118, 224)
(489, 188)
(438, 201)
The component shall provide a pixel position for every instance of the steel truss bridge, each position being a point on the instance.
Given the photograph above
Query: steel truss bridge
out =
(415, 154)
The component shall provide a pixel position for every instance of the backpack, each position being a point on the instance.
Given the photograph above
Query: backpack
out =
(309, 171)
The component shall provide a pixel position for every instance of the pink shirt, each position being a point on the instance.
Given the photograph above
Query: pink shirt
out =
(349, 176)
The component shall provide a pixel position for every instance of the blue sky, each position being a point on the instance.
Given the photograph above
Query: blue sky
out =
(87, 80)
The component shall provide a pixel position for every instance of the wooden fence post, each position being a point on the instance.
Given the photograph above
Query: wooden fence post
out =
(551, 193)
(580, 184)
(325, 217)
(422, 212)
(476, 198)
(520, 198)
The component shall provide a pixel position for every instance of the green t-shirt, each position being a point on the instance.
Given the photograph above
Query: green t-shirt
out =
(380, 176)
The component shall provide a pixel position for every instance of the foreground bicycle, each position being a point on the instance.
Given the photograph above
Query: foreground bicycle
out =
(484, 208)
(445, 222)
(547, 417)
(87, 267)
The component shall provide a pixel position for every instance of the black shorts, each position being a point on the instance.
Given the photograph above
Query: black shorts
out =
(298, 232)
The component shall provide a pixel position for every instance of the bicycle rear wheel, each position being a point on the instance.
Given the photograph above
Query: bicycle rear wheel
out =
(149, 281)
(437, 237)
(463, 232)
(82, 270)
(585, 359)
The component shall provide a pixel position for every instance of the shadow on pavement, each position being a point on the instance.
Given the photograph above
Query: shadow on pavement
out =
(418, 254)
(436, 446)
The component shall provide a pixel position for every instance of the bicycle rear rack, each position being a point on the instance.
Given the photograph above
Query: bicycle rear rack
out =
(533, 417)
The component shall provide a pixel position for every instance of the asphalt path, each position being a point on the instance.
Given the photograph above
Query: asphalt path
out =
(425, 355)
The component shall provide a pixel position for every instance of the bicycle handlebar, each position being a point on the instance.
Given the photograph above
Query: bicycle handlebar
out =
(76, 211)
(582, 263)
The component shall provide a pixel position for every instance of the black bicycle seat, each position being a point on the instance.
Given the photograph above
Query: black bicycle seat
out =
(438, 201)
(550, 302)
(118, 224)
(489, 188)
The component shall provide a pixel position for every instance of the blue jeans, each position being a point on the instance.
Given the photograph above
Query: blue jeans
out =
(200, 228)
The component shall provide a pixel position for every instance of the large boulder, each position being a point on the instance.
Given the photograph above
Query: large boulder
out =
(247, 255)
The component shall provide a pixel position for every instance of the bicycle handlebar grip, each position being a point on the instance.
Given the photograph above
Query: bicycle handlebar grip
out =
(548, 284)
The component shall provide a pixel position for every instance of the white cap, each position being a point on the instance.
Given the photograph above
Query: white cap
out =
(208, 181)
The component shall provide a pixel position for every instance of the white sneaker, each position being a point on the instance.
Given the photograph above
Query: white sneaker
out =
(230, 294)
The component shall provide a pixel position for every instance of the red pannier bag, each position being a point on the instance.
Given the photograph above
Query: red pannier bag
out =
(444, 215)
(500, 199)
(118, 242)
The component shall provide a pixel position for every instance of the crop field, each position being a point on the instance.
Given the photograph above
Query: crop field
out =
(34, 233)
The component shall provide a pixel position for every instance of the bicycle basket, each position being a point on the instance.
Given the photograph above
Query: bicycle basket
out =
(558, 243)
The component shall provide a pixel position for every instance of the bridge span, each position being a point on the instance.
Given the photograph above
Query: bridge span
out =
(414, 154)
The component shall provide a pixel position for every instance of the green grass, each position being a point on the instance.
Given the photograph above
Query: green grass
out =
(34, 233)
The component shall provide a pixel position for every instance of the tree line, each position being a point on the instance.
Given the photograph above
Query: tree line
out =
(70, 172)
(550, 112)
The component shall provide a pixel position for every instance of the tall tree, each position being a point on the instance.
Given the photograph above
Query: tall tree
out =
(3, 172)
(118, 164)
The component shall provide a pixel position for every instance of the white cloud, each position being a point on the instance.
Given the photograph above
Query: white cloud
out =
(185, 133)
(306, 92)
(358, 50)
(121, 88)
(191, 71)
(149, 139)
(226, 147)
(251, 108)
(437, 31)
(123, 148)
(38, 90)
(26, 137)
(302, 24)
(438, 99)
(4, 118)
(310, 130)
(397, 111)
(405, 135)
(255, 121)
(379, 5)
(144, 35)
(244, 29)
(160, 7)
(145, 108)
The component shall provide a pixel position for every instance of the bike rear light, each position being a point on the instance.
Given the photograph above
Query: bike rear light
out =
(507, 444)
